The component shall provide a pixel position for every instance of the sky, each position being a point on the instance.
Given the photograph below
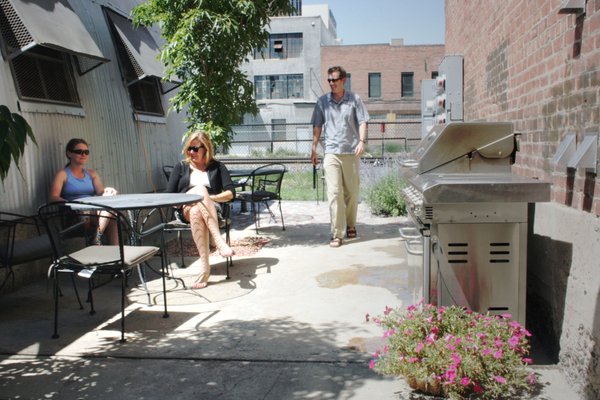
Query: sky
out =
(379, 21)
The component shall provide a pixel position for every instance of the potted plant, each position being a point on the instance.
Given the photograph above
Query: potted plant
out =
(14, 131)
(456, 353)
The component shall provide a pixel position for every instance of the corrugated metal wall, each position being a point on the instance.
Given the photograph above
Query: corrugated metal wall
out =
(127, 153)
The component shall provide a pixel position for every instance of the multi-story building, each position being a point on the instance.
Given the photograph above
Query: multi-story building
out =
(386, 76)
(290, 74)
(287, 74)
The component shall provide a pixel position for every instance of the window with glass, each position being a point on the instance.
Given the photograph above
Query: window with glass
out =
(434, 74)
(408, 89)
(348, 84)
(279, 86)
(374, 85)
(281, 46)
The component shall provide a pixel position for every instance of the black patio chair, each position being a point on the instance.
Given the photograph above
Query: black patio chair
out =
(264, 185)
(73, 253)
(23, 240)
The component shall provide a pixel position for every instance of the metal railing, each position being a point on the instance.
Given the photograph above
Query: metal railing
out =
(293, 141)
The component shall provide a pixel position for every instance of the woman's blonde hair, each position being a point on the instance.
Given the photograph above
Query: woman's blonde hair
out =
(203, 138)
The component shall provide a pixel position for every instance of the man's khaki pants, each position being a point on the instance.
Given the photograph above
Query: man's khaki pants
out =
(343, 181)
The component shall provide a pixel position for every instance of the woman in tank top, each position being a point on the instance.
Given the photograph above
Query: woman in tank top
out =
(75, 181)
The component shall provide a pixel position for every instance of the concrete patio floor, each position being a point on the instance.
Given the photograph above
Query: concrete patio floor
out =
(289, 324)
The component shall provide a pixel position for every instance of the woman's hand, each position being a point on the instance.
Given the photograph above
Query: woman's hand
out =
(109, 191)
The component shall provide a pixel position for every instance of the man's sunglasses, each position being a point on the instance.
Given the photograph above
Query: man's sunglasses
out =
(80, 151)
(333, 79)
(195, 149)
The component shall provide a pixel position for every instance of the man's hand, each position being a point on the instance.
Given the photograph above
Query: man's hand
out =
(360, 149)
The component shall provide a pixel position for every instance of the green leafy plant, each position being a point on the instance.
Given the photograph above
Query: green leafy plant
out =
(14, 131)
(206, 43)
(383, 195)
(450, 351)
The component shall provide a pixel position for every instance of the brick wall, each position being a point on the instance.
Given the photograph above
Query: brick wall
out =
(389, 60)
(527, 63)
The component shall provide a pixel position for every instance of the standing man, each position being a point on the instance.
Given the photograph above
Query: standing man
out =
(343, 117)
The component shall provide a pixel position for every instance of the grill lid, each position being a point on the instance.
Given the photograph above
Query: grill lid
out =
(493, 142)
(468, 162)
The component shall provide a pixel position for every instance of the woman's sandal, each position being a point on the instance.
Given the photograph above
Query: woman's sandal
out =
(335, 242)
(351, 233)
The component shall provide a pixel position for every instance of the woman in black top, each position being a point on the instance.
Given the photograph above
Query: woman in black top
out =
(200, 173)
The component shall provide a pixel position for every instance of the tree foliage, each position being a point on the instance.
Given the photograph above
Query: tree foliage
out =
(206, 43)
(14, 131)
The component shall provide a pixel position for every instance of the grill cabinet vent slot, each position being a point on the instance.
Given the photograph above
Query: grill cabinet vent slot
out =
(458, 253)
(428, 212)
(499, 253)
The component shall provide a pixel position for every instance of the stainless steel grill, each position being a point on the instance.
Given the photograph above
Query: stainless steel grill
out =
(471, 212)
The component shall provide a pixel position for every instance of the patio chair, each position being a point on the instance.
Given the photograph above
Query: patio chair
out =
(264, 185)
(14, 250)
(72, 252)
(177, 225)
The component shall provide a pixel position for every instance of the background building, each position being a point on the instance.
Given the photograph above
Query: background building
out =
(537, 64)
(387, 77)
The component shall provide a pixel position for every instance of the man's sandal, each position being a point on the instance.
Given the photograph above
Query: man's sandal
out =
(351, 233)
(335, 242)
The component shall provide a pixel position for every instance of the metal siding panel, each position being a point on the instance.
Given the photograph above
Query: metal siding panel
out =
(115, 138)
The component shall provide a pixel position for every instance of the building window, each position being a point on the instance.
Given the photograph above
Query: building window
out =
(434, 74)
(281, 46)
(375, 85)
(408, 89)
(45, 74)
(144, 89)
(279, 86)
(348, 84)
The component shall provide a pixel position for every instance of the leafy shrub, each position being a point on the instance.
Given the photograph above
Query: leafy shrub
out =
(383, 194)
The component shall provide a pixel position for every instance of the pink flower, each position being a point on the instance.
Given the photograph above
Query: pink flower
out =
(430, 338)
(498, 354)
(372, 364)
(507, 316)
(498, 342)
(413, 360)
(513, 342)
(531, 379)
(527, 360)
(465, 381)
(387, 310)
(386, 348)
(419, 347)
(477, 388)
(500, 379)
(388, 333)
(456, 358)
(450, 375)
(376, 354)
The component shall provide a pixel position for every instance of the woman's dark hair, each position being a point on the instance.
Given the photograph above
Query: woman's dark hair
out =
(71, 146)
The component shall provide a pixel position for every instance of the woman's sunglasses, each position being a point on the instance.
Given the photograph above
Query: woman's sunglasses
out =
(195, 148)
(80, 151)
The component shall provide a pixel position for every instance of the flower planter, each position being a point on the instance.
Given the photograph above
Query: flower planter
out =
(426, 386)
(453, 352)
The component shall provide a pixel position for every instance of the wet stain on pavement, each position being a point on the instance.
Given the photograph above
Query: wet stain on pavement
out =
(401, 281)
